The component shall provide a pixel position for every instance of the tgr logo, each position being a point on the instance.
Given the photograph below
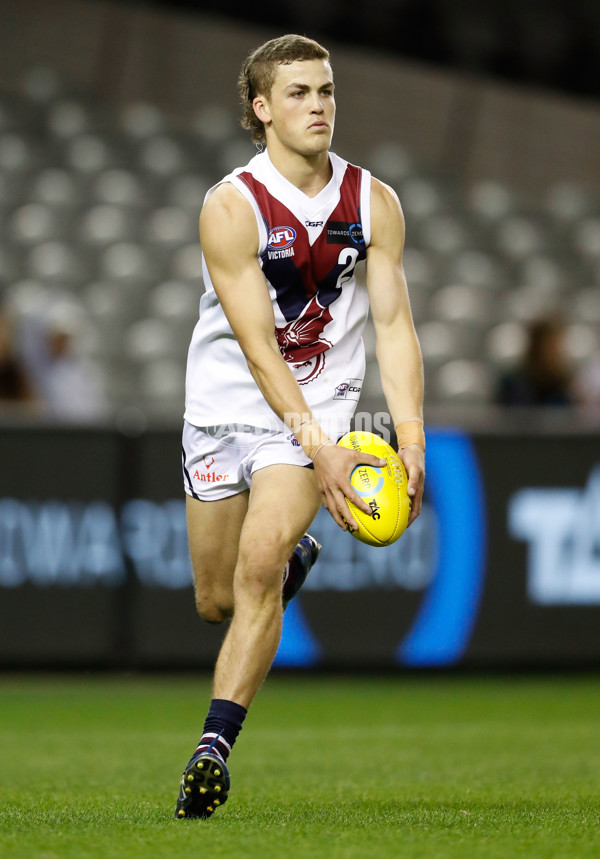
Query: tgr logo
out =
(349, 389)
(562, 528)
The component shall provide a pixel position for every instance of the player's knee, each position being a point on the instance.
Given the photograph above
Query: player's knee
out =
(211, 609)
(261, 566)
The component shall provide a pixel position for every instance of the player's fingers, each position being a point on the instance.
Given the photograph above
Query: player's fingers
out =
(355, 498)
(416, 499)
(339, 508)
(415, 509)
(349, 491)
(331, 506)
(414, 480)
(369, 459)
(344, 511)
(415, 471)
(337, 518)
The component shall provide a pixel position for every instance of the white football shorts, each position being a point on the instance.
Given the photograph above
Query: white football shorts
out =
(220, 461)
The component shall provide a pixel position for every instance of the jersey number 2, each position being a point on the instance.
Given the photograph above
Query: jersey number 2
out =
(347, 258)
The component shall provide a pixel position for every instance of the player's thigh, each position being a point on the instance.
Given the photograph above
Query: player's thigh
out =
(284, 500)
(214, 529)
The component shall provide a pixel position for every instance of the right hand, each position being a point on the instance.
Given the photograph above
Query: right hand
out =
(333, 467)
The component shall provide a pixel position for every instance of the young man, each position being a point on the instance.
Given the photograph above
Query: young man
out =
(279, 337)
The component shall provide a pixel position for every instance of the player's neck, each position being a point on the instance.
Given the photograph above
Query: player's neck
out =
(309, 174)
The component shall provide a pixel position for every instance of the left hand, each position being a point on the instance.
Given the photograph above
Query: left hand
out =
(413, 458)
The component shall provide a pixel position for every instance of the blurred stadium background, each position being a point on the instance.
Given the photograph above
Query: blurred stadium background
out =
(115, 118)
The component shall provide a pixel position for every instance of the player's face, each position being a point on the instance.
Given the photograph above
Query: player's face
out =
(300, 112)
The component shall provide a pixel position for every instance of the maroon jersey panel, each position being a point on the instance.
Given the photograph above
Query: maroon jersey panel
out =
(307, 278)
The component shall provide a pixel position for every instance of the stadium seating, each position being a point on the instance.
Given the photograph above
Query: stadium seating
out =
(100, 205)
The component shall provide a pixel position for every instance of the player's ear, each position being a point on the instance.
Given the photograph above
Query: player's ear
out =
(261, 108)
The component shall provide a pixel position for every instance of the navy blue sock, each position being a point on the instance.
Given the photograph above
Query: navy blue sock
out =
(222, 726)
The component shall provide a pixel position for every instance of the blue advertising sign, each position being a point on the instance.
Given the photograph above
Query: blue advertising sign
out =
(443, 553)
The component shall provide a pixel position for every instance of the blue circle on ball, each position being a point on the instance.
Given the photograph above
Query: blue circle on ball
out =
(365, 493)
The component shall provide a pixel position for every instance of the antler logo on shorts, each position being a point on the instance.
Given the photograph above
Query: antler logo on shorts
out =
(208, 476)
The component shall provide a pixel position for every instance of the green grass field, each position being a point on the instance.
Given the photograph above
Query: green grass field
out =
(325, 767)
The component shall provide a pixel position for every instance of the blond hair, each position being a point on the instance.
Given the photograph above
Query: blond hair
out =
(258, 73)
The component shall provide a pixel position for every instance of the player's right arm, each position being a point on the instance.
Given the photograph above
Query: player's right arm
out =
(229, 237)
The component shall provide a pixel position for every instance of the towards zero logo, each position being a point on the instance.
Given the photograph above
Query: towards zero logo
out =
(281, 237)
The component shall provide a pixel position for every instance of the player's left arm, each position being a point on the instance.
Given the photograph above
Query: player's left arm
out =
(397, 347)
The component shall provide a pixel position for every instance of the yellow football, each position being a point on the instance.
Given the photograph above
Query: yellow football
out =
(384, 489)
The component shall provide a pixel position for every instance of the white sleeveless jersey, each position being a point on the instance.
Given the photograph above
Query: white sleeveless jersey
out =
(309, 249)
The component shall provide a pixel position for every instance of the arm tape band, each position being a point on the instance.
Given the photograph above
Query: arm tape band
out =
(409, 433)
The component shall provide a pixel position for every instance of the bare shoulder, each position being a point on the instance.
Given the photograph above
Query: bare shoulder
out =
(387, 219)
(228, 212)
(227, 202)
(383, 193)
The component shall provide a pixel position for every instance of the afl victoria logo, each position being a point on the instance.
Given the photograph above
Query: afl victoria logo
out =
(281, 237)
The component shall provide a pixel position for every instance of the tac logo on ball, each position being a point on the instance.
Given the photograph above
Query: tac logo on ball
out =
(383, 488)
